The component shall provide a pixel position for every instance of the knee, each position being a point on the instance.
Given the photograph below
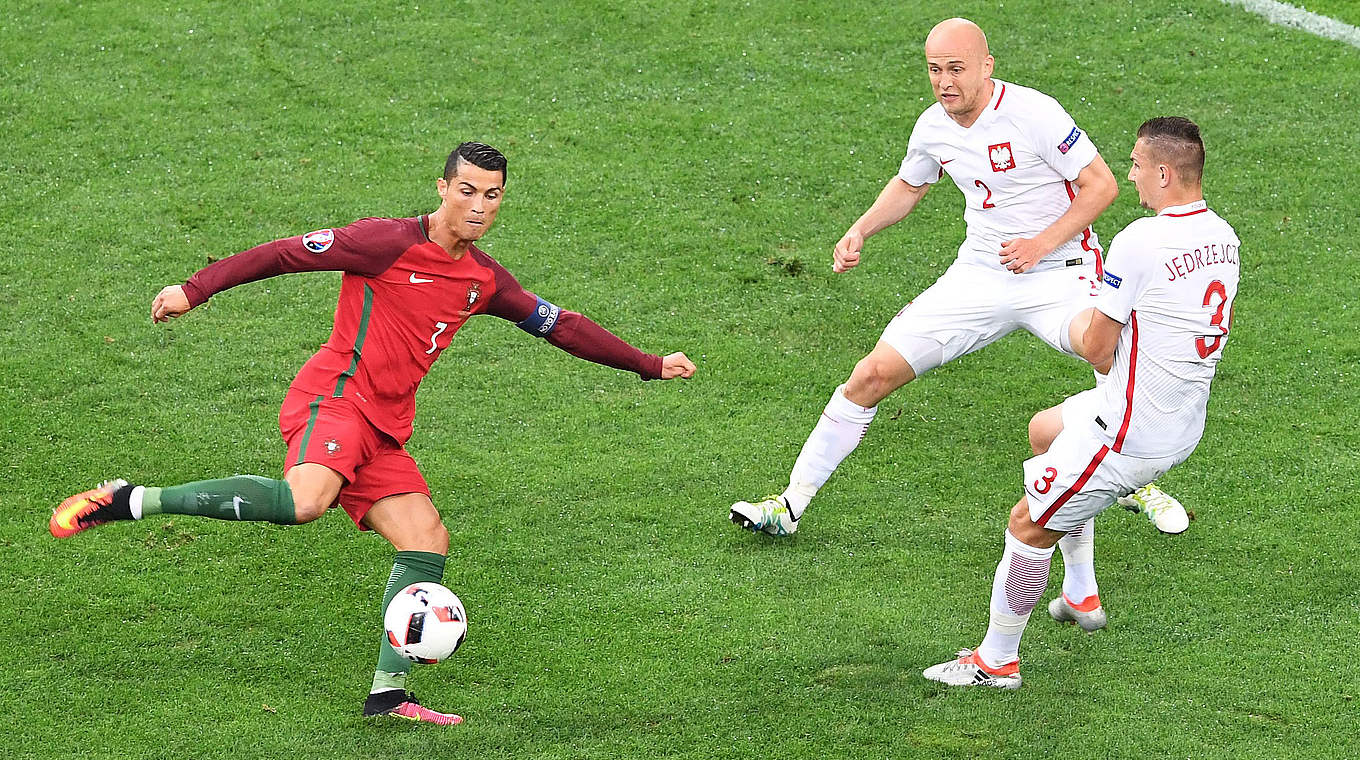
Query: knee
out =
(1019, 520)
(1036, 430)
(425, 532)
(307, 509)
(1043, 428)
(313, 489)
(872, 381)
(437, 536)
(1023, 527)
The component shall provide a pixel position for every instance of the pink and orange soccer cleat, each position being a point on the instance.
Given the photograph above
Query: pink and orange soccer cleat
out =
(85, 510)
(397, 703)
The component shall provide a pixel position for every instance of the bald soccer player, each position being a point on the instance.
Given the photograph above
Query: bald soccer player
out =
(1032, 183)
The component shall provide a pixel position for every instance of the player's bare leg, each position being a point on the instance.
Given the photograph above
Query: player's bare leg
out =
(1044, 427)
(842, 426)
(412, 525)
(315, 488)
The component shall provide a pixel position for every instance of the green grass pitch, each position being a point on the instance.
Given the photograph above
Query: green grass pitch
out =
(679, 171)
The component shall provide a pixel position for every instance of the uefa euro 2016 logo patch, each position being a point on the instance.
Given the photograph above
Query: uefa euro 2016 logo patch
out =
(1071, 140)
(318, 241)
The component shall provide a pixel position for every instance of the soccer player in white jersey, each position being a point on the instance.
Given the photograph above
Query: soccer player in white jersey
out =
(1033, 183)
(1158, 327)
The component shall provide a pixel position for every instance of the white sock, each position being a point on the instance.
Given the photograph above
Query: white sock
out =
(842, 426)
(135, 501)
(1079, 569)
(1021, 577)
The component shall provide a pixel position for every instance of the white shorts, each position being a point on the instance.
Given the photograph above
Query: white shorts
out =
(971, 306)
(1080, 476)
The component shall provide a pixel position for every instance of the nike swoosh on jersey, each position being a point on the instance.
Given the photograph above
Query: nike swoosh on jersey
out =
(417, 280)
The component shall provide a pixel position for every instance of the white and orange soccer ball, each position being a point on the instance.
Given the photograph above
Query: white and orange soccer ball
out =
(425, 623)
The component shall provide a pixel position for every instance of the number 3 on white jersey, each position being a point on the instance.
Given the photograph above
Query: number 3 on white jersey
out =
(1207, 344)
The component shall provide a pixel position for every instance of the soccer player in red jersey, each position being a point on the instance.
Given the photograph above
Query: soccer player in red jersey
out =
(408, 285)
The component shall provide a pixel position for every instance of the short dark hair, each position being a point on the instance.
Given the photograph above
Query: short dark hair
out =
(478, 154)
(1176, 140)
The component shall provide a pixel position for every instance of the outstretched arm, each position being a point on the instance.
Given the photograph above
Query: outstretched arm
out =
(1096, 190)
(892, 206)
(575, 333)
(366, 247)
(583, 338)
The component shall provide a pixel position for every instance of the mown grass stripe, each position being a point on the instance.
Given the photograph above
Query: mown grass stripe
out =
(1284, 14)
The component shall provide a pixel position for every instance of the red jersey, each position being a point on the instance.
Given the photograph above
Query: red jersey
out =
(402, 298)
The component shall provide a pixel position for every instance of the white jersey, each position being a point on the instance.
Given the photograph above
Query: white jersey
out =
(1170, 280)
(1015, 167)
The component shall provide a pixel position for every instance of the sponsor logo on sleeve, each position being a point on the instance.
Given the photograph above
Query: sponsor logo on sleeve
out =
(318, 241)
(1113, 280)
(1071, 140)
(1001, 156)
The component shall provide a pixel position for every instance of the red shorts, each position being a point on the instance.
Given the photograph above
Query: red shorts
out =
(333, 432)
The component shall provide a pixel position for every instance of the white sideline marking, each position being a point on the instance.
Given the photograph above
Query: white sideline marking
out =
(1285, 14)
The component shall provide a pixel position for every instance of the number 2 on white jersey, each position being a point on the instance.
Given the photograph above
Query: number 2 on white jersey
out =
(986, 202)
(1207, 344)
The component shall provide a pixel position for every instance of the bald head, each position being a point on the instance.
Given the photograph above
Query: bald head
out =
(960, 68)
(957, 35)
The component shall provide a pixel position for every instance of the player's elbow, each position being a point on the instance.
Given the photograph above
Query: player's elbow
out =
(1099, 354)
(1097, 183)
(1103, 188)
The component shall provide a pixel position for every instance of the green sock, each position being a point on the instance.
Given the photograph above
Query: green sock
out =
(242, 497)
(407, 568)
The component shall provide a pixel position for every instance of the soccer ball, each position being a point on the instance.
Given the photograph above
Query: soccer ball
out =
(425, 622)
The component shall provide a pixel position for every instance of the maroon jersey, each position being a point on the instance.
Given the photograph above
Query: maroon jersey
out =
(402, 298)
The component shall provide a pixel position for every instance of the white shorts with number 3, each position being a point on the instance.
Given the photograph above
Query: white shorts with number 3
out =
(1080, 476)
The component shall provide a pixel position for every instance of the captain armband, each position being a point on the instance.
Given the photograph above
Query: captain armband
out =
(541, 320)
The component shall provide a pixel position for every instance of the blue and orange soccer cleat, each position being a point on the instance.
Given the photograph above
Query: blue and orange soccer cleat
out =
(85, 510)
(397, 703)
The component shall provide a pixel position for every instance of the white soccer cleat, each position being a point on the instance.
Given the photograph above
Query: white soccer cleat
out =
(1064, 611)
(969, 670)
(1159, 506)
(772, 516)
